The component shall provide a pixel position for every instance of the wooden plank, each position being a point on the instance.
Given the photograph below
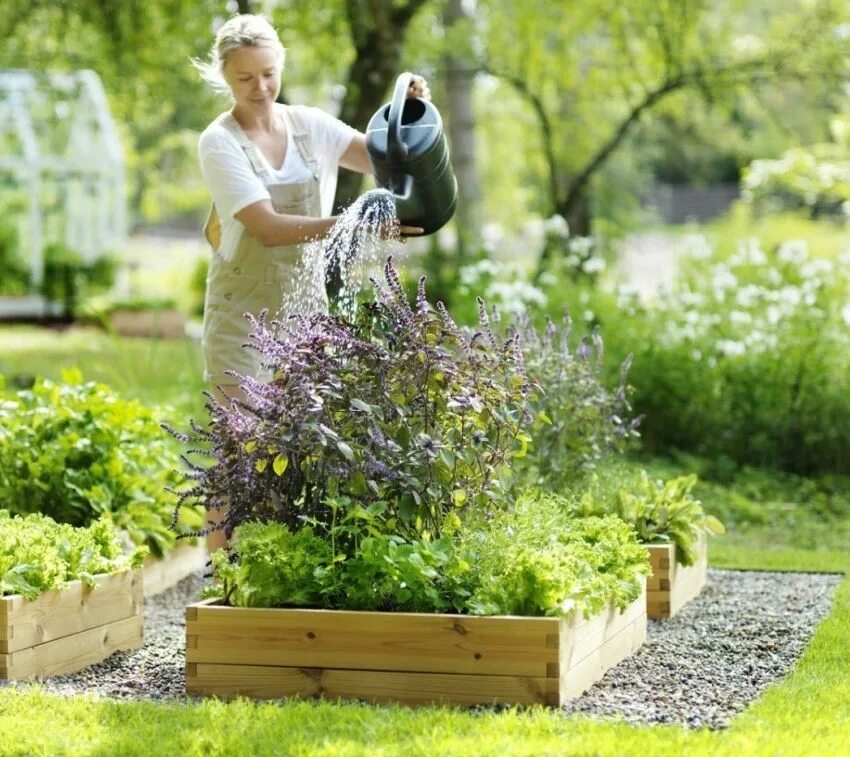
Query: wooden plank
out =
(407, 642)
(264, 682)
(75, 608)
(74, 652)
(684, 583)
(579, 678)
(575, 646)
(163, 573)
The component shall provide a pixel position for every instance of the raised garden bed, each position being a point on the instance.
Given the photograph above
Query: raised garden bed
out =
(164, 324)
(671, 585)
(164, 572)
(68, 629)
(403, 657)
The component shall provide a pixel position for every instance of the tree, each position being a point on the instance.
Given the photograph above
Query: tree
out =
(591, 74)
(459, 67)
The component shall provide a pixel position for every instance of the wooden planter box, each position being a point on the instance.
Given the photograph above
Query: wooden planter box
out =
(68, 629)
(403, 657)
(164, 572)
(671, 586)
(164, 324)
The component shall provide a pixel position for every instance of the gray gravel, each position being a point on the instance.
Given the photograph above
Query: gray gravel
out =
(744, 631)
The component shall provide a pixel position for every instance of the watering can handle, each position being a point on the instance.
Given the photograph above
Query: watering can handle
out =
(396, 149)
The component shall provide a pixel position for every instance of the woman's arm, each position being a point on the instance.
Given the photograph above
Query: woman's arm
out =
(274, 229)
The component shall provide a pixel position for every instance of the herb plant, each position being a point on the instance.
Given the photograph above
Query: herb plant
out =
(577, 418)
(533, 559)
(37, 554)
(395, 423)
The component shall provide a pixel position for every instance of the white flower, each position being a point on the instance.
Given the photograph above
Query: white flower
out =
(722, 279)
(750, 253)
(731, 348)
(740, 318)
(594, 265)
(773, 314)
(696, 246)
(581, 245)
(793, 251)
(588, 315)
(845, 314)
(548, 279)
(557, 226)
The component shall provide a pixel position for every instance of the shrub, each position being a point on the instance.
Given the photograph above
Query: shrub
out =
(746, 358)
(397, 416)
(37, 554)
(76, 451)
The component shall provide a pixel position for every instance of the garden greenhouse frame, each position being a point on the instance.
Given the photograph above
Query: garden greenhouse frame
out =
(59, 145)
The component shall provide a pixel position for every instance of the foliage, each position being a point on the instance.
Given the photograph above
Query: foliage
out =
(534, 559)
(398, 414)
(67, 277)
(659, 511)
(577, 418)
(640, 54)
(38, 554)
(14, 275)
(76, 451)
(815, 178)
(745, 357)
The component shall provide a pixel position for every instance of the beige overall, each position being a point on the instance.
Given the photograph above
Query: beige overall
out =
(283, 280)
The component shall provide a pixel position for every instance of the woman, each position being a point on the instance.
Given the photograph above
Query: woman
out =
(271, 170)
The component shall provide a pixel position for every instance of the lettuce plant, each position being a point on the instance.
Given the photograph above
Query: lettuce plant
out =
(532, 559)
(659, 511)
(38, 554)
(396, 423)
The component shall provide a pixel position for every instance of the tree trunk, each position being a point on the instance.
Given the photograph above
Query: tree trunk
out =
(377, 31)
(459, 78)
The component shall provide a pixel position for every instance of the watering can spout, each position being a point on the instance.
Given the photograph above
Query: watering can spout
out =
(410, 158)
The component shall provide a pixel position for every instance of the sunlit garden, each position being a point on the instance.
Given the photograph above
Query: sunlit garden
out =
(534, 440)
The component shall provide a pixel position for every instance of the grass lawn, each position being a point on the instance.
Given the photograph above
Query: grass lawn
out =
(807, 713)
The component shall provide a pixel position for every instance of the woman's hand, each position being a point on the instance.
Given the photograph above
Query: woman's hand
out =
(419, 88)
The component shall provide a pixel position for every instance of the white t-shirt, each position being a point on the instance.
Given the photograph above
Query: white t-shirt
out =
(234, 185)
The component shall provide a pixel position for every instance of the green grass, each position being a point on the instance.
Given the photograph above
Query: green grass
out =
(154, 371)
(808, 712)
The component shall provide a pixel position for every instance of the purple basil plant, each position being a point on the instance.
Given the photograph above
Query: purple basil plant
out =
(398, 421)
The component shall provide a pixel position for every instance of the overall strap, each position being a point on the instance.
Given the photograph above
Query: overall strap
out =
(298, 128)
(251, 150)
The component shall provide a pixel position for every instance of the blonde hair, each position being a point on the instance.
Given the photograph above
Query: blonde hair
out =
(243, 30)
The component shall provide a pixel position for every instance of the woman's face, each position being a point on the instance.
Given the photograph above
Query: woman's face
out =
(253, 75)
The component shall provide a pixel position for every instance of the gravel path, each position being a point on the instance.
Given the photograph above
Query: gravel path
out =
(743, 632)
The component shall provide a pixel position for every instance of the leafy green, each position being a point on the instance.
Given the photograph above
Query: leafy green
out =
(76, 451)
(532, 560)
(659, 511)
(38, 554)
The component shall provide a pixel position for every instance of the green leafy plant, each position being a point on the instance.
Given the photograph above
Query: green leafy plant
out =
(38, 554)
(659, 511)
(76, 451)
(534, 559)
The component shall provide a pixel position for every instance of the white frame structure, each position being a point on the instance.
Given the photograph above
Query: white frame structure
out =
(81, 164)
